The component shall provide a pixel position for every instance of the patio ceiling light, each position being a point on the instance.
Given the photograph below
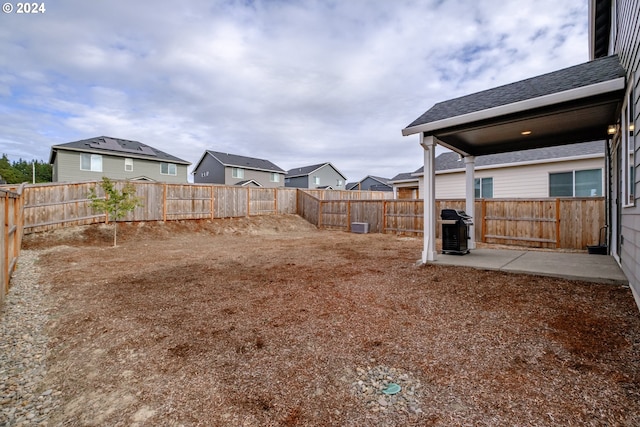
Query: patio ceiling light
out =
(525, 132)
(611, 129)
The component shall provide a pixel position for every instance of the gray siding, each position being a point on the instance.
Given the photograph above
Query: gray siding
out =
(264, 178)
(328, 177)
(213, 170)
(298, 182)
(67, 167)
(627, 46)
(221, 174)
(371, 184)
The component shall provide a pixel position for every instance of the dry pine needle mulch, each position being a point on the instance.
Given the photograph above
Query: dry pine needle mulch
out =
(268, 321)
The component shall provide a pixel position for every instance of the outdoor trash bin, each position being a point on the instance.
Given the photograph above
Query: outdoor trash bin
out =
(455, 231)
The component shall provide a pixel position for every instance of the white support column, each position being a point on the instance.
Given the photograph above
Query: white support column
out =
(470, 163)
(429, 250)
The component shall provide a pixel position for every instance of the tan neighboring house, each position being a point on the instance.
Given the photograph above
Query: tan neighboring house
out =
(575, 170)
(406, 185)
(215, 167)
(91, 159)
(593, 101)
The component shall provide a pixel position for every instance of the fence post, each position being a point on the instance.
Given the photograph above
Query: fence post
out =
(275, 200)
(248, 201)
(384, 217)
(212, 204)
(319, 213)
(557, 223)
(164, 202)
(348, 215)
(483, 213)
(7, 258)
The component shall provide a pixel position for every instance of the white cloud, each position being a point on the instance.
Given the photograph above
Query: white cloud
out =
(297, 83)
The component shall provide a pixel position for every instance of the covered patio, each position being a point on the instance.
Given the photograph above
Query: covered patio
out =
(572, 105)
(564, 265)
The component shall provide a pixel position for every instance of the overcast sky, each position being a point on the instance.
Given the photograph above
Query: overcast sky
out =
(295, 82)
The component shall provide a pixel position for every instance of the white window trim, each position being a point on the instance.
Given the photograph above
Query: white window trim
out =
(128, 164)
(275, 177)
(482, 196)
(237, 173)
(92, 157)
(573, 181)
(175, 169)
(316, 180)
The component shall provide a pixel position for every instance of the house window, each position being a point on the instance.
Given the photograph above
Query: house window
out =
(275, 177)
(168, 169)
(316, 180)
(585, 183)
(205, 174)
(237, 173)
(339, 182)
(128, 165)
(91, 162)
(483, 188)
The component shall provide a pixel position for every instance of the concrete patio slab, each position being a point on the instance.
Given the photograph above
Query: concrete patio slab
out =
(572, 266)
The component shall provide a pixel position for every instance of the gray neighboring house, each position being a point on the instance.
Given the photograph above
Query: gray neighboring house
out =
(115, 158)
(320, 176)
(215, 167)
(371, 183)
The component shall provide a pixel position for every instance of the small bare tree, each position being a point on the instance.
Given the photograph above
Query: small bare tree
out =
(115, 203)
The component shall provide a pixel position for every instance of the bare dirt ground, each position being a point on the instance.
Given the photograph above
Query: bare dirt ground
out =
(269, 322)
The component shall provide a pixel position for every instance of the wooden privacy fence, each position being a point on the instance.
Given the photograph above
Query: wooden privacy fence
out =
(566, 223)
(11, 217)
(560, 223)
(49, 206)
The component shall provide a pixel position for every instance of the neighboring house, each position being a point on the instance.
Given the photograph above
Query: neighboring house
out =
(594, 101)
(406, 185)
(215, 167)
(574, 170)
(321, 176)
(371, 183)
(91, 159)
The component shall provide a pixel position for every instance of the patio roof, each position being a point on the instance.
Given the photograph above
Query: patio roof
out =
(572, 105)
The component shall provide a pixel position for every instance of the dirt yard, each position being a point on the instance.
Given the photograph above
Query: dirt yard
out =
(269, 322)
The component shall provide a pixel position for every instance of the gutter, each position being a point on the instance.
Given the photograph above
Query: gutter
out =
(520, 106)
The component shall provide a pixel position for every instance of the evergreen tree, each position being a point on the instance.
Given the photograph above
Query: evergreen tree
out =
(22, 171)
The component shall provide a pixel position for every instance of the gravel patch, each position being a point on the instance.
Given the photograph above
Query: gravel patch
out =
(24, 400)
(374, 387)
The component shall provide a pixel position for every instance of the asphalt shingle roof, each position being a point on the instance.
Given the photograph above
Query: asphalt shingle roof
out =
(304, 170)
(586, 74)
(449, 160)
(245, 162)
(120, 147)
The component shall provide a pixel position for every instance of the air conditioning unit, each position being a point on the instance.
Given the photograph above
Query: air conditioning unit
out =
(360, 227)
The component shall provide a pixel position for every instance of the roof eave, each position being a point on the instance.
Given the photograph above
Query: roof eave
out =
(520, 106)
(118, 154)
